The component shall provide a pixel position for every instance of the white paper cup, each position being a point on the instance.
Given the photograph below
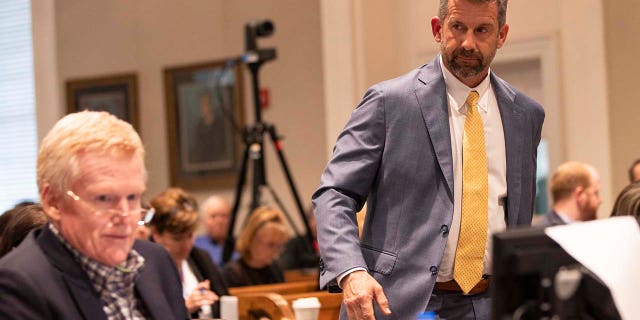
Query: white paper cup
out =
(229, 308)
(306, 308)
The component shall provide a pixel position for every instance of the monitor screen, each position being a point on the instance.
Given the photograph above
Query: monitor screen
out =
(525, 281)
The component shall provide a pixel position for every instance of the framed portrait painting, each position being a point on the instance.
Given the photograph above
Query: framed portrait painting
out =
(204, 115)
(116, 94)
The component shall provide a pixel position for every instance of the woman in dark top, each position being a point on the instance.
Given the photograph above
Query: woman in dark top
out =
(259, 245)
(173, 226)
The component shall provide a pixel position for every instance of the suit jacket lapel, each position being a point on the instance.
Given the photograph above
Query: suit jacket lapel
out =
(431, 94)
(86, 299)
(513, 127)
(148, 288)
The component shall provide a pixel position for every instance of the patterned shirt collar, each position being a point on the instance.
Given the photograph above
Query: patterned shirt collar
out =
(114, 284)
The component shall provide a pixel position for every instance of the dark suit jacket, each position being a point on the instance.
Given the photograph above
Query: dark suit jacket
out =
(238, 274)
(550, 219)
(41, 280)
(395, 153)
(205, 269)
(298, 255)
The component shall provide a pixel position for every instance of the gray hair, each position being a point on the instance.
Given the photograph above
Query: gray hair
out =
(502, 9)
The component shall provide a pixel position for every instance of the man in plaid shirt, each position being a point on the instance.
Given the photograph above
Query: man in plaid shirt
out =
(85, 263)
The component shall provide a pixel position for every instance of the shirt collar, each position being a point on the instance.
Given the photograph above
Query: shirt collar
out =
(565, 218)
(100, 273)
(457, 91)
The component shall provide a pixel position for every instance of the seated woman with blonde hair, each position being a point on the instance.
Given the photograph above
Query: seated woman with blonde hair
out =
(259, 245)
(173, 226)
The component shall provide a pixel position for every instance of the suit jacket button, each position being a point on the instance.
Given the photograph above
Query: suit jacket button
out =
(444, 229)
(434, 270)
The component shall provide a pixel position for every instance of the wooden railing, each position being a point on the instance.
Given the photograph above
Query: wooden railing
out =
(274, 301)
(281, 288)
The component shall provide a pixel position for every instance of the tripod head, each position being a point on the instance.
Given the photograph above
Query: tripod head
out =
(252, 31)
(254, 57)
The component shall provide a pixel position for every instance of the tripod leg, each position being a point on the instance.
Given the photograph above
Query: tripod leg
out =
(229, 243)
(294, 191)
(275, 197)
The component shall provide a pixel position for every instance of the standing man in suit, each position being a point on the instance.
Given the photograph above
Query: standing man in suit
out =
(411, 150)
(575, 189)
(85, 263)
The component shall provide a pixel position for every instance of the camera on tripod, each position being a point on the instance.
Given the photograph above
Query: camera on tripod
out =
(252, 31)
(253, 138)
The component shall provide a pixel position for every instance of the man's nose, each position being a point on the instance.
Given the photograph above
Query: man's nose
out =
(469, 40)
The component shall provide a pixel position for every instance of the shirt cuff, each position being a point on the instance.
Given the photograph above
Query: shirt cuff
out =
(346, 273)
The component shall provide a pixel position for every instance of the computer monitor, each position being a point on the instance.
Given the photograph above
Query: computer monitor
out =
(524, 281)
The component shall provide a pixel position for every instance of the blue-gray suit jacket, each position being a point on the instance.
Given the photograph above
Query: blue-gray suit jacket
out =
(550, 219)
(395, 153)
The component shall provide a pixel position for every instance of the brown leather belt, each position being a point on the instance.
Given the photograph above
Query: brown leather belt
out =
(452, 286)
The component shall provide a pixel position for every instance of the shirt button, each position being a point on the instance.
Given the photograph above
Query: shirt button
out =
(434, 270)
(444, 229)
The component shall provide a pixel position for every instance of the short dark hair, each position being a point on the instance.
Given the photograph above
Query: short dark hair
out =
(502, 9)
(16, 223)
(628, 202)
(633, 165)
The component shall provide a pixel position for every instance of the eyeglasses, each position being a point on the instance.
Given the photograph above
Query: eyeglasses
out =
(107, 206)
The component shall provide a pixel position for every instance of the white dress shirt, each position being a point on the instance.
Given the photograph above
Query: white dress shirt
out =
(190, 283)
(457, 93)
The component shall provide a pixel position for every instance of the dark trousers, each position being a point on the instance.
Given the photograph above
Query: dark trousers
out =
(456, 306)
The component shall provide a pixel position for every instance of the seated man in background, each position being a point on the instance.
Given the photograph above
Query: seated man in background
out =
(259, 244)
(16, 223)
(173, 226)
(85, 263)
(215, 215)
(575, 190)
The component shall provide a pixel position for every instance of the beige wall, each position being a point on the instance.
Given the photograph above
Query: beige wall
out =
(329, 53)
(622, 30)
(97, 37)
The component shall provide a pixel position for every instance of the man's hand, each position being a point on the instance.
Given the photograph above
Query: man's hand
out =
(358, 290)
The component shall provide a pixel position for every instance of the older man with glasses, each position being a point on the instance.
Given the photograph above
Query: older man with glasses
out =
(85, 263)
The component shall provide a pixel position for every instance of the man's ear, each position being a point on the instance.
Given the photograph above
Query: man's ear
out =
(155, 236)
(502, 35)
(50, 203)
(436, 28)
(579, 193)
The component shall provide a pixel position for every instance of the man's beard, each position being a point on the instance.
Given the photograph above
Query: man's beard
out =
(464, 71)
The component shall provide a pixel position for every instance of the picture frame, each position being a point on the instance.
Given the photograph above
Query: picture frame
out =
(204, 108)
(116, 94)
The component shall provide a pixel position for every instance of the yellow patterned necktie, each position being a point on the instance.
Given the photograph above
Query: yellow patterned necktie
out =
(475, 189)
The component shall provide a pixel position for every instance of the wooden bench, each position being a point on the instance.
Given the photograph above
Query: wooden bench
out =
(270, 305)
(276, 306)
(309, 274)
(280, 288)
(329, 303)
